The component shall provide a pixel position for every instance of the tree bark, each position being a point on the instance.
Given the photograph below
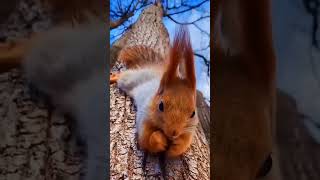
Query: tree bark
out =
(126, 160)
(34, 144)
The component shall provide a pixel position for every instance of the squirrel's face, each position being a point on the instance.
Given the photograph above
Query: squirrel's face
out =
(175, 109)
(174, 106)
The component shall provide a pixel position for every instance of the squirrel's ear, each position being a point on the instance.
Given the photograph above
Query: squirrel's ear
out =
(188, 58)
(186, 67)
(175, 56)
(181, 49)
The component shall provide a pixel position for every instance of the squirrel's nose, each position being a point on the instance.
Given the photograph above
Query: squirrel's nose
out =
(174, 134)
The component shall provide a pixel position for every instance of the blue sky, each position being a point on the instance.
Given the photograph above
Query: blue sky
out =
(199, 39)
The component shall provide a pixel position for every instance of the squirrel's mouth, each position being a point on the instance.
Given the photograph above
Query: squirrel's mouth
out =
(166, 134)
(174, 137)
(170, 137)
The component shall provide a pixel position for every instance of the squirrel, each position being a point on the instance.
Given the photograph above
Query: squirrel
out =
(165, 97)
(68, 66)
(244, 91)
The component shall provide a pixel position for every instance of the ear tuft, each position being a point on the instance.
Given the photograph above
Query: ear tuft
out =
(181, 49)
(188, 57)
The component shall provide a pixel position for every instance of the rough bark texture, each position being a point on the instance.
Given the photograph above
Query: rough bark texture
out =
(33, 146)
(204, 114)
(126, 160)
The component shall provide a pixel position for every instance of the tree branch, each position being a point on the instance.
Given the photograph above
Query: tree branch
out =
(187, 23)
(125, 15)
(190, 7)
(117, 23)
(312, 7)
(206, 62)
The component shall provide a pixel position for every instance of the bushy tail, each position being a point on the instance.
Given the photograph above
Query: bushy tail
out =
(179, 63)
(138, 56)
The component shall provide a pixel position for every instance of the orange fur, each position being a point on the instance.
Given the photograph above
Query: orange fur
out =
(180, 145)
(180, 50)
(139, 55)
(158, 141)
(114, 78)
(151, 138)
(177, 95)
(244, 89)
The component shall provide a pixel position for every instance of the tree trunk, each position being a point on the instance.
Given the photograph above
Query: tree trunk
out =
(126, 160)
(33, 146)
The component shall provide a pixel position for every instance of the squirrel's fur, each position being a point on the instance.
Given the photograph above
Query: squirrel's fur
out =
(157, 81)
(244, 91)
(138, 56)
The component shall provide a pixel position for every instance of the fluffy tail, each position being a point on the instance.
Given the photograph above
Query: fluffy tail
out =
(138, 56)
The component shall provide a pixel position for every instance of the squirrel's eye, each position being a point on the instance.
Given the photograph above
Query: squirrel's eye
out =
(161, 108)
(192, 115)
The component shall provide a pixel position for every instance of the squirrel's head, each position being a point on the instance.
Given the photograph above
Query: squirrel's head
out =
(174, 106)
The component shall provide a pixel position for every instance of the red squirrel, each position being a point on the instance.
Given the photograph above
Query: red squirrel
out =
(244, 91)
(164, 91)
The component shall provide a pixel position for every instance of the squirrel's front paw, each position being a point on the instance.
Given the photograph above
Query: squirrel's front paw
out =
(158, 142)
(175, 150)
(179, 145)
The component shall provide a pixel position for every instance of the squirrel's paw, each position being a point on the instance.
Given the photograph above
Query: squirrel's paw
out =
(158, 142)
(114, 78)
(179, 145)
(175, 150)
